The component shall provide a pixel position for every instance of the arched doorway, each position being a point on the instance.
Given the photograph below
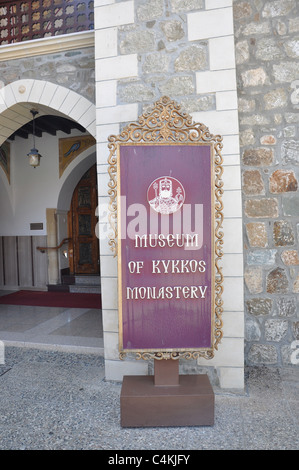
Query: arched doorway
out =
(82, 220)
(34, 194)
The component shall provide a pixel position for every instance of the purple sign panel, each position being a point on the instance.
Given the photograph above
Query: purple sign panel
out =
(166, 247)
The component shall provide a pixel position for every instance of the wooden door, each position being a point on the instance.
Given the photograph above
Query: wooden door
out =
(84, 245)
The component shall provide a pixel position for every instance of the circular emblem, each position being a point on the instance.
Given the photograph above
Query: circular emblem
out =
(166, 195)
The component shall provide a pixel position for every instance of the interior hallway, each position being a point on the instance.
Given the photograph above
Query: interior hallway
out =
(58, 328)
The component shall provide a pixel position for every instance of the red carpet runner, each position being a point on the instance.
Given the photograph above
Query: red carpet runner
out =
(52, 299)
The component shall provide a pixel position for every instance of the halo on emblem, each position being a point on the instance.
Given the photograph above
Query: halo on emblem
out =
(166, 195)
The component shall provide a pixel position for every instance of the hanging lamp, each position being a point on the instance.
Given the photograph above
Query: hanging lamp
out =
(34, 156)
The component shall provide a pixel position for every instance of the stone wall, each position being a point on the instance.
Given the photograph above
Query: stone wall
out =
(167, 62)
(71, 69)
(267, 53)
(183, 49)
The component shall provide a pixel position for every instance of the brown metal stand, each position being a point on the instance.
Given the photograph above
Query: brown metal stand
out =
(167, 398)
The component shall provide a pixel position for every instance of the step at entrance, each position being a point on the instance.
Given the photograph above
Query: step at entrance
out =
(88, 284)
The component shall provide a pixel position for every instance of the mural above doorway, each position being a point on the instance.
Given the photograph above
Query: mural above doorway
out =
(70, 148)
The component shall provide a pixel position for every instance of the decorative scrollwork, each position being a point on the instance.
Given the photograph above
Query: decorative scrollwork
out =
(167, 355)
(165, 123)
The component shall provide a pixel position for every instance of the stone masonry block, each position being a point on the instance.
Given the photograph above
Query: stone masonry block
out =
(254, 77)
(138, 41)
(219, 122)
(261, 257)
(261, 208)
(268, 140)
(254, 279)
(253, 184)
(177, 86)
(115, 14)
(192, 58)
(277, 281)
(151, 10)
(290, 257)
(259, 306)
(218, 80)
(106, 93)
(258, 157)
(275, 330)
(283, 233)
(232, 201)
(275, 8)
(262, 354)
(286, 306)
(296, 285)
(286, 71)
(275, 99)
(117, 67)
(226, 100)
(115, 114)
(212, 4)
(290, 151)
(290, 205)
(173, 30)
(222, 53)
(105, 43)
(186, 5)
(233, 291)
(268, 49)
(257, 234)
(282, 181)
(201, 25)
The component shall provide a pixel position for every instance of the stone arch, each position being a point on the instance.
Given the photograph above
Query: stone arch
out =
(46, 95)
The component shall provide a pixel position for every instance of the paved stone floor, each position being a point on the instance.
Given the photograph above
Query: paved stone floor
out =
(54, 396)
(58, 328)
(60, 401)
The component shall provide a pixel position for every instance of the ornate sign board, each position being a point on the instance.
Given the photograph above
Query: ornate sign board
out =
(166, 215)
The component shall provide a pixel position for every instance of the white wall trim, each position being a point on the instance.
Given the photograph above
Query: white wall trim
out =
(54, 44)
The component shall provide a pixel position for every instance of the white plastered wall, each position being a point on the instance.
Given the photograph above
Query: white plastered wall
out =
(215, 25)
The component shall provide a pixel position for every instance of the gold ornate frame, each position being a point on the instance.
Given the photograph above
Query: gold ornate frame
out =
(166, 124)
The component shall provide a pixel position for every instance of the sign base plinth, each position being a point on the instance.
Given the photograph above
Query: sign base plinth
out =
(179, 400)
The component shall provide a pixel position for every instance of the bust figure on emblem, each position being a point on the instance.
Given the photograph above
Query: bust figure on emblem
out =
(166, 195)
